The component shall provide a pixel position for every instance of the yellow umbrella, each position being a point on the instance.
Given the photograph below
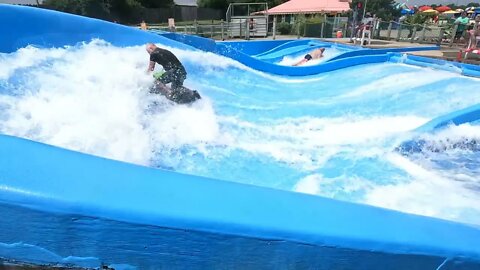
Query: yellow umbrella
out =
(430, 11)
(450, 12)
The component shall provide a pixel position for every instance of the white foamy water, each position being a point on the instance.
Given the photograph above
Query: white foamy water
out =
(429, 189)
(400, 82)
(94, 99)
(432, 193)
(309, 142)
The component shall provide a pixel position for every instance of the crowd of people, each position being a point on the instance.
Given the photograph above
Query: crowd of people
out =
(466, 32)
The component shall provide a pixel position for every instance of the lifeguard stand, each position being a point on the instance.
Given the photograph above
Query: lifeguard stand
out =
(247, 20)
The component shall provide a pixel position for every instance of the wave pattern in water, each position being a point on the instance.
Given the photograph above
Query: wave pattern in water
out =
(331, 134)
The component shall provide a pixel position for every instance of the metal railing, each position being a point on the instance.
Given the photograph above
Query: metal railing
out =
(426, 33)
(418, 33)
(219, 30)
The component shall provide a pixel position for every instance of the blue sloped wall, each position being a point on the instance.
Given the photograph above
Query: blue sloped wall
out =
(69, 208)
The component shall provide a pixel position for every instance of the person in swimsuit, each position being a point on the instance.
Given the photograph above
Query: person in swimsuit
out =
(315, 54)
(474, 34)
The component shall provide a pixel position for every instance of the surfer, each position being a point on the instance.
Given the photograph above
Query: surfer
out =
(174, 73)
(315, 54)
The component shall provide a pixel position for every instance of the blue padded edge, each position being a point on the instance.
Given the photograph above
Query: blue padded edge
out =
(227, 50)
(463, 116)
(383, 51)
(52, 179)
(48, 178)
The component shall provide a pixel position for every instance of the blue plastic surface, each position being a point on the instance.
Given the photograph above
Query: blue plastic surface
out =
(464, 69)
(467, 115)
(261, 54)
(67, 182)
(66, 207)
(384, 51)
(23, 26)
(243, 56)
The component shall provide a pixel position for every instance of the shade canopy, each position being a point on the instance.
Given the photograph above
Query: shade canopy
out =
(431, 11)
(309, 7)
(443, 8)
(423, 8)
(451, 12)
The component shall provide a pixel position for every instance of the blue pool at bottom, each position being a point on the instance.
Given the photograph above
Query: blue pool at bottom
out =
(332, 134)
(130, 246)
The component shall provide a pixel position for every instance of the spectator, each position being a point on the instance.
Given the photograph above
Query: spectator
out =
(461, 23)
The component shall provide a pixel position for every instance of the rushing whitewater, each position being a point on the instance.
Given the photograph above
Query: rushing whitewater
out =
(333, 134)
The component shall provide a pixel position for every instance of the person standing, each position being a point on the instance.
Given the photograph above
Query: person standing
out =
(461, 23)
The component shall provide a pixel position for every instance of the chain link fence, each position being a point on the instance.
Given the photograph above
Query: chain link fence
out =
(322, 27)
(418, 33)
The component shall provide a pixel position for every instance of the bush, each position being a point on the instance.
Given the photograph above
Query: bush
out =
(310, 23)
(284, 28)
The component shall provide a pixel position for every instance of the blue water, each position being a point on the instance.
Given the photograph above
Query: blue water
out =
(125, 246)
(331, 134)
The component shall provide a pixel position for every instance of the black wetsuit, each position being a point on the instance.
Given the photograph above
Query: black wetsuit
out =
(175, 73)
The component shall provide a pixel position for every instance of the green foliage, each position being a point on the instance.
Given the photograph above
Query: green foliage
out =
(317, 19)
(217, 4)
(284, 28)
(105, 8)
(223, 4)
(417, 18)
(156, 3)
(383, 9)
(82, 7)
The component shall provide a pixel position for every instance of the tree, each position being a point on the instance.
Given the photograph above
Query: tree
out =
(223, 4)
(104, 9)
(156, 3)
(384, 9)
(92, 8)
(216, 4)
(418, 18)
